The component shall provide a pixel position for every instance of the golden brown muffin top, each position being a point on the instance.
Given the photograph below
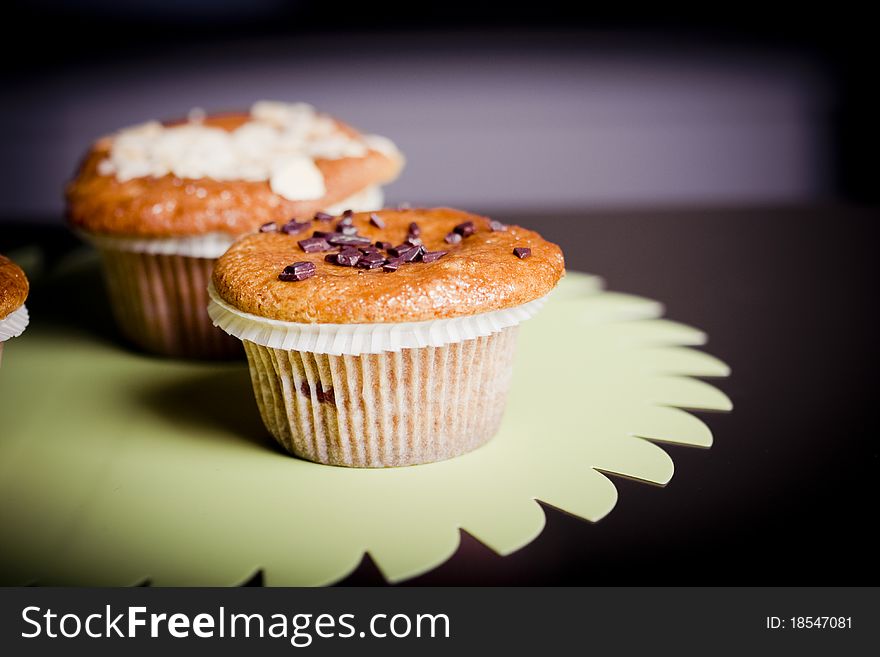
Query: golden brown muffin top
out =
(478, 272)
(170, 206)
(13, 287)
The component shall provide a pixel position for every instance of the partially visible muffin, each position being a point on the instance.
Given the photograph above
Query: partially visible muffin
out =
(163, 201)
(385, 338)
(14, 289)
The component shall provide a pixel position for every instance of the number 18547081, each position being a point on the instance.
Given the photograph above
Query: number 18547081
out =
(809, 623)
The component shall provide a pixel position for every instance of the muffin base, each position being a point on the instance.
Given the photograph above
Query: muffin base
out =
(381, 410)
(160, 303)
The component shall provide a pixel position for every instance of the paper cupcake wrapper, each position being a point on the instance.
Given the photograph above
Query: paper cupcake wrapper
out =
(357, 339)
(159, 302)
(396, 408)
(14, 323)
(379, 395)
(214, 245)
(209, 245)
(370, 198)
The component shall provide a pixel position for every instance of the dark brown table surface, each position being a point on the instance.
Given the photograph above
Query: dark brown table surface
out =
(788, 492)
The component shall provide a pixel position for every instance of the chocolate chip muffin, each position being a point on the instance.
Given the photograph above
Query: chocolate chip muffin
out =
(162, 201)
(386, 338)
(13, 293)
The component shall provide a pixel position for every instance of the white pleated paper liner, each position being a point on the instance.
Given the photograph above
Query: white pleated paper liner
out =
(209, 245)
(214, 245)
(14, 324)
(357, 339)
(366, 200)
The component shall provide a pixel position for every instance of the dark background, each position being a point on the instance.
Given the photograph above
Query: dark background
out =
(617, 105)
(777, 268)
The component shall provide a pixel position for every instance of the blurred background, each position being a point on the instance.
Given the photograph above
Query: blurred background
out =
(523, 107)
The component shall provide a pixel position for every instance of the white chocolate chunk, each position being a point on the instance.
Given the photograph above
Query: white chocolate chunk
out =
(381, 144)
(279, 143)
(298, 177)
